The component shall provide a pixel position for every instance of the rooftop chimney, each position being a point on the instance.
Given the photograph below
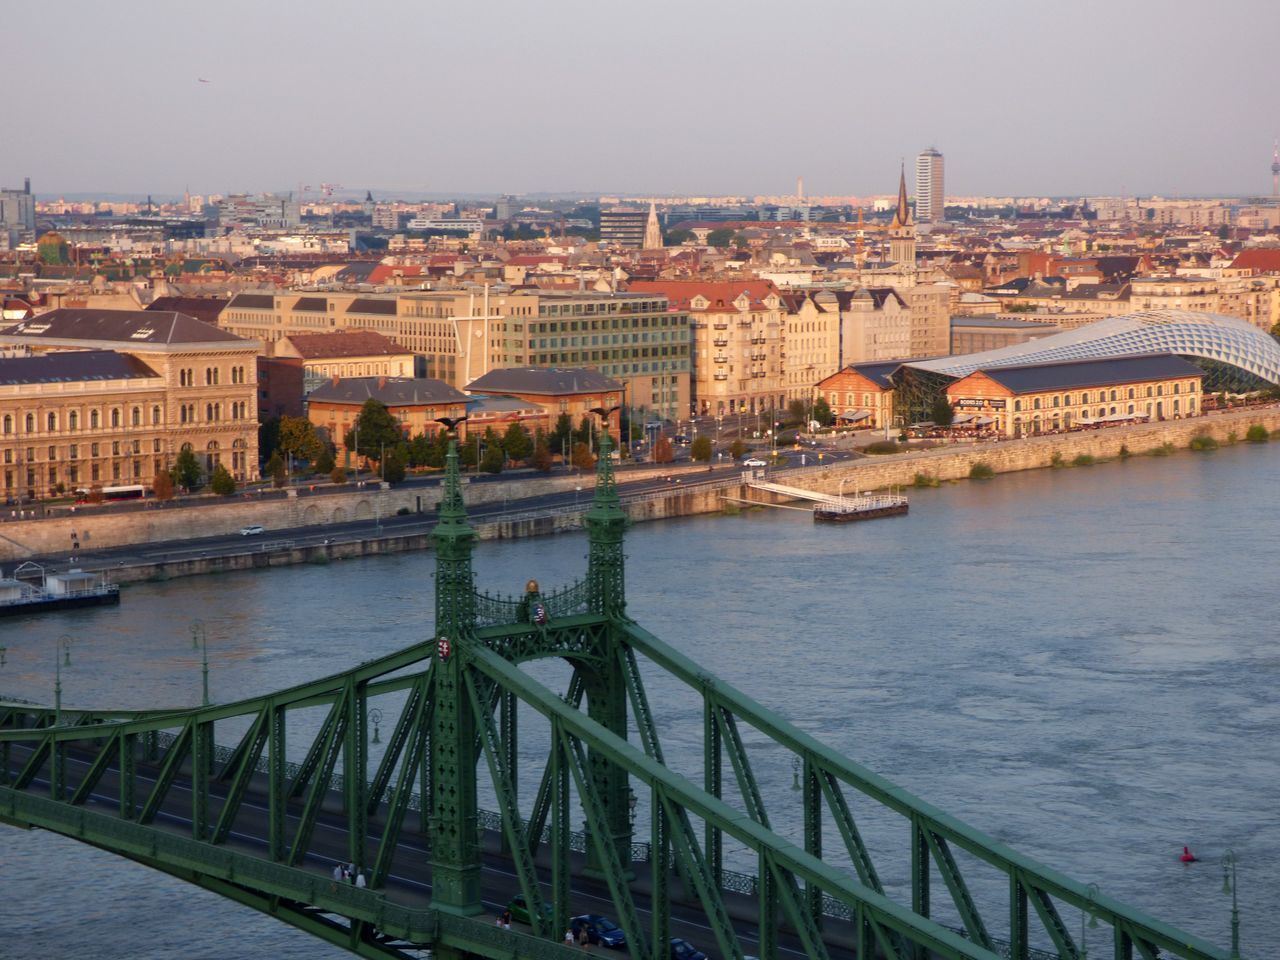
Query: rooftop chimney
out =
(382, 382)
(335, 380)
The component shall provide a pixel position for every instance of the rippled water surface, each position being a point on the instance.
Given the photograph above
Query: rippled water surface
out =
(1081, 662)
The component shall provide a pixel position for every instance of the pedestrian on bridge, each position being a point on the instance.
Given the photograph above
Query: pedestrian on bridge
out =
(360, 881)
(338, 873)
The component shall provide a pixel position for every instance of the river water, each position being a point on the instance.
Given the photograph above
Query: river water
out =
(1081, 662)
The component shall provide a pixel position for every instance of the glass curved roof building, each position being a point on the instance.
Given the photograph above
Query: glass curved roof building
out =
(1212, 339)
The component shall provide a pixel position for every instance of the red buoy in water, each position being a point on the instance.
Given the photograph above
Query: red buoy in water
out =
(1187, 856)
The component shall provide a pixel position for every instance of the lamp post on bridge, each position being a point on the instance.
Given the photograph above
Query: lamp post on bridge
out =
(1092, 891)
(199, 639)
(61, 652)
(1229, 886)
(57, 773)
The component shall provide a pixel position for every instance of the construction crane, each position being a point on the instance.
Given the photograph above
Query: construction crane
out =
(328, 188)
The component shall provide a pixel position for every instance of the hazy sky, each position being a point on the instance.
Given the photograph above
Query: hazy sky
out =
(661, 96)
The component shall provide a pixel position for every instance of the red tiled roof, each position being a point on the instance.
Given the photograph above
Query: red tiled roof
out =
(384, 272)
(720, 295)
(1264, 261)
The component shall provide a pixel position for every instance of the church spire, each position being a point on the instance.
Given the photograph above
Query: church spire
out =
(652, 232)
(902, 216)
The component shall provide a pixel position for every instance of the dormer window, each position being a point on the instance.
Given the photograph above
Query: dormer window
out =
(699, 302)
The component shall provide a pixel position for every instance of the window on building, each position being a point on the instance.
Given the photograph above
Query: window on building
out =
(51, 422)
(115, 417)
(31, 423)
(73, 420)
(135, 417)
(155, 415)
(8, 423)
(95, 419)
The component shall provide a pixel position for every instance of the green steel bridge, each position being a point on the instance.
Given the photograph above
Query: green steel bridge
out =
(244, 821)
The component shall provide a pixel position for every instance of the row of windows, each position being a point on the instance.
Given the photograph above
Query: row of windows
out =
(603, 307)
(130, 469)
(120, 470)
(95, 450)
(187, 376)
(551, 343)
(213, 412)
(51, 421)
(1158, 410)
(1101, 396)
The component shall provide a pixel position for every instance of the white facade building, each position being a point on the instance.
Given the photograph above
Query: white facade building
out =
(930, 190)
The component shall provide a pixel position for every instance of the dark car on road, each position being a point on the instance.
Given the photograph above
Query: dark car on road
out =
(520, 910)
(684, 950)
(600, 930)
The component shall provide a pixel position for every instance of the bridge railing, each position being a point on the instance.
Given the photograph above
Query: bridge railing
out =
(416, 925)
(1032, 884)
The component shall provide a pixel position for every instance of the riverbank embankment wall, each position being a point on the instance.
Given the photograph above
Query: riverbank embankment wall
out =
(690, 497)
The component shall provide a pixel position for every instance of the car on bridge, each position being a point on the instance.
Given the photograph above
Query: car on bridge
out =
(520, 910)
(754, 462)
(253, 530)
(600, 930)
(684, 950)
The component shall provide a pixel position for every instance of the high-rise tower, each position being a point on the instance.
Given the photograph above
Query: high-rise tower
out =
(930, 193)
(1275, 170)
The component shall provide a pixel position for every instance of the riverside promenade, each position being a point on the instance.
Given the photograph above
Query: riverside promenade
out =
(163, 544)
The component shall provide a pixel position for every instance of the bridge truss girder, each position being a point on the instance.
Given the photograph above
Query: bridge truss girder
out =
(459, 715)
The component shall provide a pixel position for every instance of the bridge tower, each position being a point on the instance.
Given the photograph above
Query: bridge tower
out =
(603, 678)
(455, 850)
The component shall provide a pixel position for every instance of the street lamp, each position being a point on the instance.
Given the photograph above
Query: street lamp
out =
(1091, 892)
(61, 652)
(375, 717)
(1229, 886)
(632, 800)
(796, 766)
(198, 639)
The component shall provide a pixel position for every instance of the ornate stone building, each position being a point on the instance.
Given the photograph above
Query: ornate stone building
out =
(109, 397)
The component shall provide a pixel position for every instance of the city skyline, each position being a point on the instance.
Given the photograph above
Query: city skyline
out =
(569, 100)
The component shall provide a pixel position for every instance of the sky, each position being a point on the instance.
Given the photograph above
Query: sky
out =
(662, 97)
